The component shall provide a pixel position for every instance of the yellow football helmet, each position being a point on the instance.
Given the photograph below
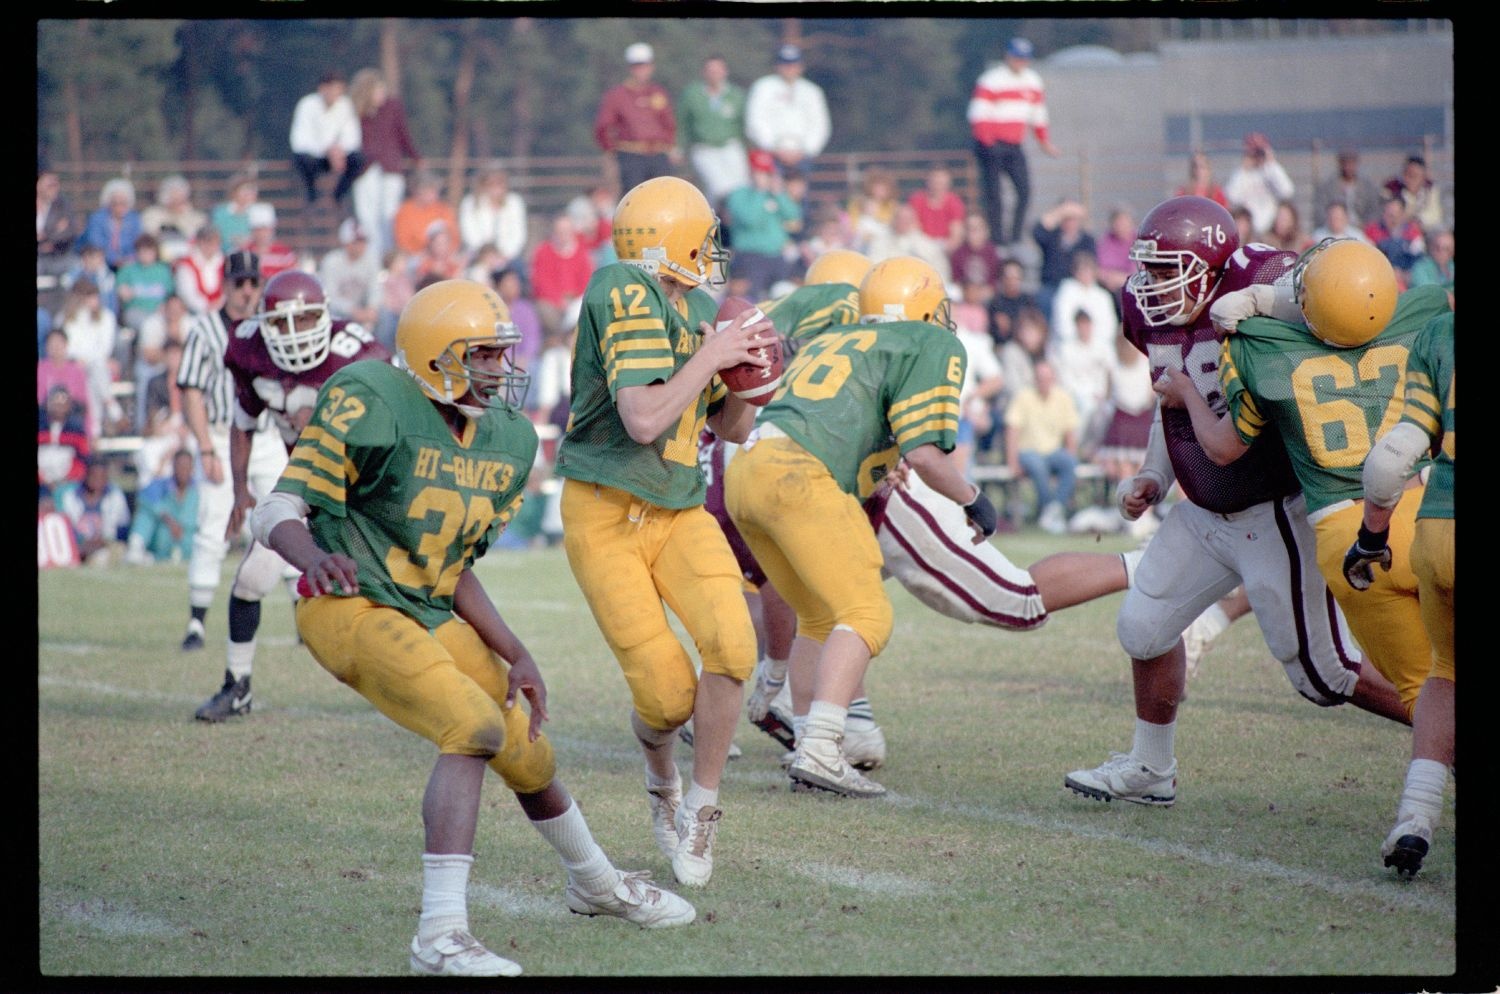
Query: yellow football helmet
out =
(666, 226)
(1347, 291)
(904, 289)
(437, 329)
(838, 266)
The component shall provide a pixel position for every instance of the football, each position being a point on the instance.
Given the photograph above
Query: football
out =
(752, 384)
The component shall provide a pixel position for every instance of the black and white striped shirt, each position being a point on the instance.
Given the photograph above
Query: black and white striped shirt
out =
(203, 366)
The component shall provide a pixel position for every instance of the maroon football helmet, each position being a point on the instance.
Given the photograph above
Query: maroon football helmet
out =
(295, 345)
(1182, 247)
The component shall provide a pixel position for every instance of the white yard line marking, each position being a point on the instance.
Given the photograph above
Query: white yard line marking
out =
(112, 918)
(884, 884)
(519, 903)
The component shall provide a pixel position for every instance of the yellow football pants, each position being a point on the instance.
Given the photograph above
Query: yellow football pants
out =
(446, 685)
(629, 557)
(1387, 618)
(813, 541)
(1432, 561)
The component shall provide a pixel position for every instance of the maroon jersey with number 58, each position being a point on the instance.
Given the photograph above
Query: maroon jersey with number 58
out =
(261, 385)
(1261, 474)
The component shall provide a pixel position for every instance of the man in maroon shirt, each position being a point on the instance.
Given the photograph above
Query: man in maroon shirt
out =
(636, 123)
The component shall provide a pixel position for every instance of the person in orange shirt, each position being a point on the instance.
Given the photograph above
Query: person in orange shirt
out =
(416, 215)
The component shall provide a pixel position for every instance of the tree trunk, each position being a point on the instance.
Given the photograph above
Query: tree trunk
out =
(523, 34)
(70, 101)
(188, 140)
(390, 54)
(463, 83)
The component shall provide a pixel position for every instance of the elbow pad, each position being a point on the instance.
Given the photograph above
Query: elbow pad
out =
(271, 510)
(1391, 462)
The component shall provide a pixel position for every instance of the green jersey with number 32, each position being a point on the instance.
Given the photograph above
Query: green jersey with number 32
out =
(392, 488)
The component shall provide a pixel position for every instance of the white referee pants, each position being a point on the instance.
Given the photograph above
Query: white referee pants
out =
(268, 458)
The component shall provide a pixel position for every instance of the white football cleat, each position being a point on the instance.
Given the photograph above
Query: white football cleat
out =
(1123, 777)
(693, 862)
(664, 804)
(1407, 845)
(819, 763)
(864, 744)
(459, 954)
(1199, 636)
(634, 898)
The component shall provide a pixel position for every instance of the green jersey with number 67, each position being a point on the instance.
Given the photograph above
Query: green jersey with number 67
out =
(391, 487)
(1429, 406)
(1329, 403)
(630, 334)
(852, 388)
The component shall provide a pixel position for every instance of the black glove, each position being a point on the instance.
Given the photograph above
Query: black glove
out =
(1368, 549)
(982, 513)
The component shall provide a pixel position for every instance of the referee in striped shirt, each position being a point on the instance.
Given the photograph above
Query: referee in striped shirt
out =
(208, 405)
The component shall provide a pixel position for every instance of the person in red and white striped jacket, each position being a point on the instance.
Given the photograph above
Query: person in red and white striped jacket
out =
(1007, 100)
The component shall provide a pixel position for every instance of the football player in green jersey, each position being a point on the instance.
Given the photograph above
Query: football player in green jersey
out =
(793, 491)
(638, 540)
(1426, 428)
(403, 478)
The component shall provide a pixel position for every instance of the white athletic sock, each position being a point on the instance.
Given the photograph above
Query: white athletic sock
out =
(1425, 782)
(1131, 559)
(860, 708)
(697, 796)
(585, 862)
(240, 657)
(1153, 743)
(445, 888)
(825, 721)
(799, 727)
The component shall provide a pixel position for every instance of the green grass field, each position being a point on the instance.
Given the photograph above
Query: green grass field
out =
(286, 843)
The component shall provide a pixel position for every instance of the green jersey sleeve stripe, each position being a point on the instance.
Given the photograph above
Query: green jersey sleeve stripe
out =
(936, 427)
(316, 484)
(324, 439)
(921, 398)
(629, 326)
(655, 365)
(934, 409)
(1423, 418)
(308, 454)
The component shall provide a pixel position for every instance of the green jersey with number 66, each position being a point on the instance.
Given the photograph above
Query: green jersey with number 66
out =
(853, 388)
(1329, 403)
(1429, 406)
(391, 487)
(630, 334)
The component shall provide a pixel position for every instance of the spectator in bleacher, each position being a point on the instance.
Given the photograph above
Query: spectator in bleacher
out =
(55, 231)
(761, 219)
(1132, 405)
(1436, 267)
(1082, 291)
(166, 511)
(166, 326)
(872, 212)
(1114, 245)
(97, 509)
(1346, 186)
(396, 288)
(275, 256)
(385, 144)
(1082, 363)
(62, 439)
(232, 217)
(325, 137)
(89, 264)
(523, 313)
(1244, 225)
(1010, 299)
(1008, 99)
(1201, 181)
(940, 211)
(711, 125)
(560, 271)
(1286, 231)
(350, 275)
(907, 238)
(58, 369)
(976, 259)
(983, 377)
(165, 429)
(492, 214)
(593, 213)
(143, 283)
(787, 114)
(418, 211)
(115, 225)
(551, 385)
(1260, 182)
(1337, 224)
(200, 273)
(635, 124)
(1398, 237)
(1059, 233)
(1421, 201)
(1041, 440)
(1027, 347)
(440, 257)
(91, 329)
(173, 220)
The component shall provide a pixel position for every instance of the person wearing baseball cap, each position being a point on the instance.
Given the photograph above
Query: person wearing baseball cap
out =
(1007, 100)
(636, 124)
(787, 114)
